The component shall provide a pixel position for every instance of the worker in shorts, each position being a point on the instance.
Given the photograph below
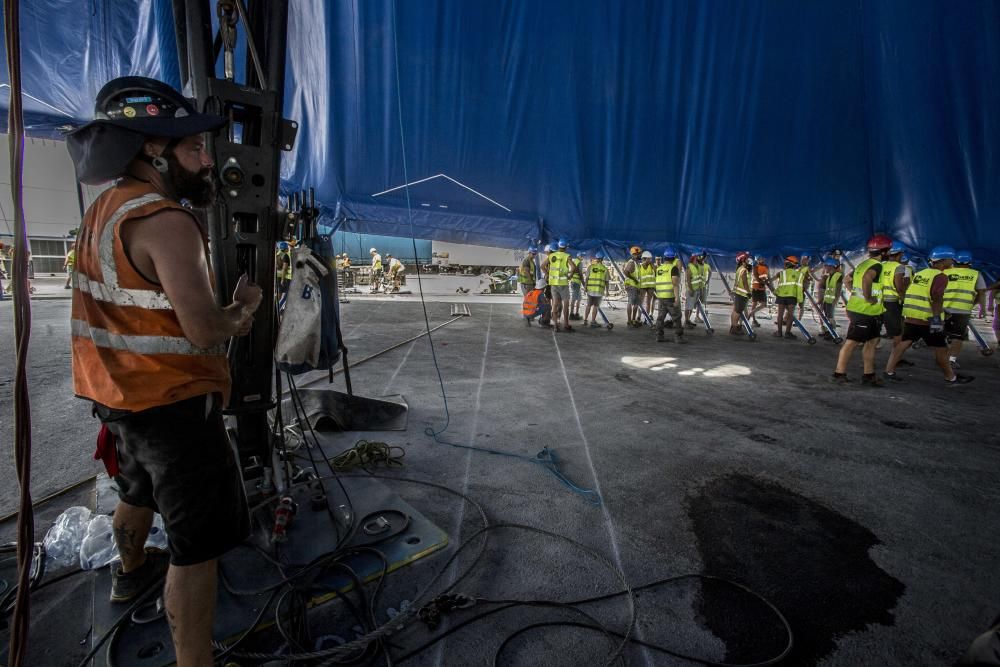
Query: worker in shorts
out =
(831, 280)
(894, 284)
(630, 271)
(667, 287)
(966, 289)
(923, 316)
(396, 271)
(376, 269)
(741, 293)
(646, 273)
(761, 279)
(526, 271)
(576, 287)
(697, 286)
(786, 295)
(864, 311)
(597, 287)
(557, 269)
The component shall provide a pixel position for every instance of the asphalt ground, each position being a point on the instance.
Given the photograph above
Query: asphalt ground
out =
(866, 515)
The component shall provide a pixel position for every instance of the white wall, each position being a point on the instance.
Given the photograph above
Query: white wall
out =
(51, 204)
(477, 255)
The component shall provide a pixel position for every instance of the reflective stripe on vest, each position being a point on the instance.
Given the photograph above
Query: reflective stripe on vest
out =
(788, 283)
(832, 287)
(559, 268)
(889, 292)
(647, 276)
(529, 306)
(664, 280)
(526, 272)
(741, 277)
(129, 349)
(917, 302)
(577, 275)
(698, 273)
(140, 344)
(630, 278)
(597, 278)
(857, 303)
(960, 295)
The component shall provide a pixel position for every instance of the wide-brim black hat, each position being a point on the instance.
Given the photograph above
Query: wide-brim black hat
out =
(127, 111)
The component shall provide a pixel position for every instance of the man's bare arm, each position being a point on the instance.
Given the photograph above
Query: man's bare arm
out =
(168, 248)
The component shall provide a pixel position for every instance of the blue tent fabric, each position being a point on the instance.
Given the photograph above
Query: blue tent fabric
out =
(776, 126)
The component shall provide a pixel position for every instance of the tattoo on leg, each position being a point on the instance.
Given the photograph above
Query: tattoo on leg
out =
(171, 617)
(125, 538)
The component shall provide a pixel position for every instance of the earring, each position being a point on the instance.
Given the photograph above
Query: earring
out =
(160, 164)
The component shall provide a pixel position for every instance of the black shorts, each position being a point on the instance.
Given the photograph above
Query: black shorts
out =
(863, 328)
(957, 326)
(893, 318)
(176, 460)
(786, 300)
(922, 332)
(739, 302)
(759, 296)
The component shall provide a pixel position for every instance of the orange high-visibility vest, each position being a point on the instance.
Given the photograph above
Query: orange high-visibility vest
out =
(529, 306)
(129, 351)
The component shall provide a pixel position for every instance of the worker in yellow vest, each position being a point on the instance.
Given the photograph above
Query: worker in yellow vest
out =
(376, 269)
(526, 271)
(557, 268)
(597, 287)
(966, 288)
(576, 287)
(632, 286)
(69, 264)
(864, 311)
(831, 279)
(894, 284)
(697, 286)
(923, 316)
(741, 292)
(666, 286)
(646, 273)
(786, 295)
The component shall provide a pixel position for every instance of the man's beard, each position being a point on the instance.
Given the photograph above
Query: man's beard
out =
(197, 187)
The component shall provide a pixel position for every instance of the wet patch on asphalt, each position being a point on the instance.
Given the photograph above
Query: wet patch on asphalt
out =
(810, 561)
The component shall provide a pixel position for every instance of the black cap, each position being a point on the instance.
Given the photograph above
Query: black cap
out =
(127, 111)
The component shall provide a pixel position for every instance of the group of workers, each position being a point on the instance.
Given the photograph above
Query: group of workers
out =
(391, 268)
(933, 305)
(558, 293)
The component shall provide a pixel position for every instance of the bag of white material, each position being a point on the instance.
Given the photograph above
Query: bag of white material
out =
(99, 549)
(63, 539)
(301, 334)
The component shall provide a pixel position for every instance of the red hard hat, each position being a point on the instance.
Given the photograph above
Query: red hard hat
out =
(742, 256)
(879, 242)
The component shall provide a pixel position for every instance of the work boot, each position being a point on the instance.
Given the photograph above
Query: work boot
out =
(126, 587)
(680, 339)
(959, 379)
(669, 324)
(660, 338)
(690, 325)
(789, 335)
(872, 380)
(839, 378)
(893, 377)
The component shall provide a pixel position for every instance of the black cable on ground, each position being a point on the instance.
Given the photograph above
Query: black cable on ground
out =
(18, 647)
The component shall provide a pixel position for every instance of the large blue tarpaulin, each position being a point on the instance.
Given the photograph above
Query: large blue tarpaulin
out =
(774, 126)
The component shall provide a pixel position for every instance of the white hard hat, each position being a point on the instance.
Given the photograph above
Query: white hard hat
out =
(540, 283)
(647, 255)
(548, 247)
(373, 250)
